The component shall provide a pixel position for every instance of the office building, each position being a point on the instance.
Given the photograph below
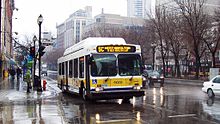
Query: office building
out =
(70, 31)
(109, 24)
(141, 8)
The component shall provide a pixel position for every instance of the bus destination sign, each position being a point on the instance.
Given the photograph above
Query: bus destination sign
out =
(116, 49)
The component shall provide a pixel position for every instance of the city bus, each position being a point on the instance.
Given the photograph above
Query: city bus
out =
(101, 68)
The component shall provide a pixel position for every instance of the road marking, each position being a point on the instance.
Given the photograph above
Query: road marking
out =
(114, 121)
(181, 116)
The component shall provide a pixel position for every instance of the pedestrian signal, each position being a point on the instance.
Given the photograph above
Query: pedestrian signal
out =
(41, 50)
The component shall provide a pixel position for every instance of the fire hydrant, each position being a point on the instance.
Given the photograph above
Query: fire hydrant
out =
(44, 85)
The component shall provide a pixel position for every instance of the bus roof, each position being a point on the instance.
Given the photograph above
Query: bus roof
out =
(89, 45)
(93, 41)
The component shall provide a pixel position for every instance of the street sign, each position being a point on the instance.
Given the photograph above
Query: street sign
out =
(30, 63)
(29, 58)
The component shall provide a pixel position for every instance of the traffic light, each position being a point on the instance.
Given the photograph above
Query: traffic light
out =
(32, 52)
(41, 50)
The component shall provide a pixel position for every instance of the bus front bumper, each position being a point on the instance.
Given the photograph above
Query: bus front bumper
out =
(116, 94)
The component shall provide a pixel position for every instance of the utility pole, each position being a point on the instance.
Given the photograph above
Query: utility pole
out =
(34, 58)
(39, 20)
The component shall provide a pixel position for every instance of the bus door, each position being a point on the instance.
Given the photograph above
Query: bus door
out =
(66, 74)
(87, 74)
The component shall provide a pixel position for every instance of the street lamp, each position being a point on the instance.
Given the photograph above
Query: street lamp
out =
(34, 58)
(39, 21)
(153, 46)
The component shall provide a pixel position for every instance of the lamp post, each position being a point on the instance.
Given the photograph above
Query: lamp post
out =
(153, 45)
(39, 21)
(34, 39)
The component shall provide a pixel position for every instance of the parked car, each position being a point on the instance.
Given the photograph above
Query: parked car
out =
(44, 70)
(212, 87)
(154, 77)
(145, 77)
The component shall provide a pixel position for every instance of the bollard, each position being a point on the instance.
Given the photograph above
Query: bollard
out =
(44, 85)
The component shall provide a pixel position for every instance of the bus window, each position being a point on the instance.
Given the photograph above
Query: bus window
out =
(62, 69)
(75, 68)
(81, 67)
(129, 64)
(70, 68)
(66, 68)
(103, 65)
(59, 68)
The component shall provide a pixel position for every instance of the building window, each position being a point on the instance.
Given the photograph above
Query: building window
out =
(98, 20)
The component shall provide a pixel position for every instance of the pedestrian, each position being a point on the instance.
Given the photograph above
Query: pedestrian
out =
(27, 79)
(18, 71)
(12, 72)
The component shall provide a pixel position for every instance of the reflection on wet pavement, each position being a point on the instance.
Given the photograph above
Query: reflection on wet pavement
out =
(31, 112)
(167, 105)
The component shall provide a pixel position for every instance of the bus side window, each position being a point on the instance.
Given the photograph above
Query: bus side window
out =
(66, 68)
(81, 67)
(59, 68)
(62, 69)
(70, 68)
(75, 68)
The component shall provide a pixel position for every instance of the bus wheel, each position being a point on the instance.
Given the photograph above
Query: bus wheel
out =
(84, 94)
(82, 91)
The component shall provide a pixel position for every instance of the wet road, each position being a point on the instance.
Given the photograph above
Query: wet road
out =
(173, 104)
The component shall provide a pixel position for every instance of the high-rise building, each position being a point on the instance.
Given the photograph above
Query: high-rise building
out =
(70, 31)
(60, 36)
(141, 8)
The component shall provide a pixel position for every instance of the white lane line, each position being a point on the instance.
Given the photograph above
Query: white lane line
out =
(181, 116)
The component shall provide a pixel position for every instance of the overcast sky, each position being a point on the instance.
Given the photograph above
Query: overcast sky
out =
(56, 11)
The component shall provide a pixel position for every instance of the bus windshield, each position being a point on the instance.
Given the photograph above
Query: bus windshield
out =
(103, 65)
(129, 64)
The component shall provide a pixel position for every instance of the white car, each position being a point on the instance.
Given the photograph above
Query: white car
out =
(212, 87)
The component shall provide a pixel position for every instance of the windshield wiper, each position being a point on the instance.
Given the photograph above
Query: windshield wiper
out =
(132, 75)
(107, 74)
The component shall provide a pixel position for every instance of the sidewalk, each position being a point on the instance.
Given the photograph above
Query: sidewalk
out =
(184, 81)
(12, 90)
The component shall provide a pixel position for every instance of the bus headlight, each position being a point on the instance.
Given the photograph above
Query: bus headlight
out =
(137, 87)
(98, 89)
(143, 78)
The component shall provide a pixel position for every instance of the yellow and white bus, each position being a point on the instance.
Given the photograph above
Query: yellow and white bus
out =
(101, 68)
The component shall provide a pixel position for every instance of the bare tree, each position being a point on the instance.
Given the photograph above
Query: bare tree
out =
(158, 22)
(212, 39)
(196, 24)
(175, 41)
(103, 30)
(52, 56)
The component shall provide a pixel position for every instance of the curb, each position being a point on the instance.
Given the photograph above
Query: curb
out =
(184, 81)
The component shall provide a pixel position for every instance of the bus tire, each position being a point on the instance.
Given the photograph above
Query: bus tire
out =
(84, 94)
(82, 91)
